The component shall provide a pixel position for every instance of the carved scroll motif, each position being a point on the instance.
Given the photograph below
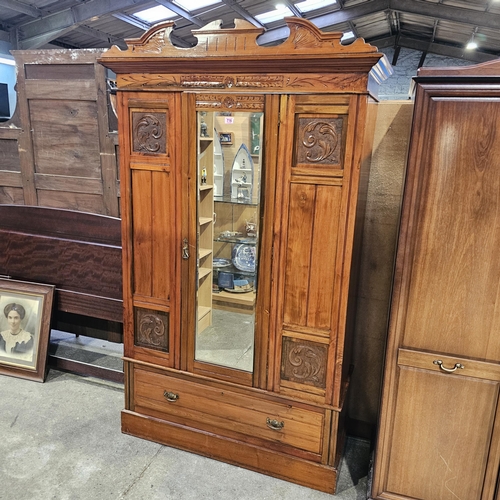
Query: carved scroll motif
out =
(151, 329)
(318, 140)
(156, 43)
(302, 38)
(221, 101)
(149, 135)
(153, 41)
(304, 362)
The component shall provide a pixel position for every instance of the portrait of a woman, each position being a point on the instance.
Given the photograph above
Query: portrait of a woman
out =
(16, 341)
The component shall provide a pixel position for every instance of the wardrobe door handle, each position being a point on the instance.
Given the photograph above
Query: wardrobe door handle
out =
(275, 425)
(458, 366)
(170, 396)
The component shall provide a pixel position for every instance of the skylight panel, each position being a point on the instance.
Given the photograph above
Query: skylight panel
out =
(348, 35)
(280, 12)
(191, 5)
(309, 5)
(155, 14)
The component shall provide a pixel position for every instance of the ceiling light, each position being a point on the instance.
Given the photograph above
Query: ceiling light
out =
(309, 5)
(155, 14)
(280, 12)
(471, 44)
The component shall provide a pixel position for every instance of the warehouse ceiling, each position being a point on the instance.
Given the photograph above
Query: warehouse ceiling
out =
(441, 27)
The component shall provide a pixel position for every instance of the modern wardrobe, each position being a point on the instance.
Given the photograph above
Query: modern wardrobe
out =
(439, 435)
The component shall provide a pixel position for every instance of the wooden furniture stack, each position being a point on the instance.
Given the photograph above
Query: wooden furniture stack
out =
(58, 150)
(284, 417)
(80, 254)
(439, 436)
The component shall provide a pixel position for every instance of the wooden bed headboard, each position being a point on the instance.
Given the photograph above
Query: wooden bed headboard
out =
(78, 252)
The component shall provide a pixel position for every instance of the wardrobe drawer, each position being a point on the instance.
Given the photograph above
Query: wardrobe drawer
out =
(227, 413)
(445, 363)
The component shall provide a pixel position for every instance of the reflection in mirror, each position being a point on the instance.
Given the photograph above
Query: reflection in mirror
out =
(229, 172)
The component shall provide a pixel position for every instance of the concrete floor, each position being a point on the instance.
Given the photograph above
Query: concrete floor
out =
(61, 440)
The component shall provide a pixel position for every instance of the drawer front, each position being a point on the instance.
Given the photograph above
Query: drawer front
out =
(452, 365)
(228, 413)
(445, 409)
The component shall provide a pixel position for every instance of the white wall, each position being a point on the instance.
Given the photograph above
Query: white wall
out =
(397, 86)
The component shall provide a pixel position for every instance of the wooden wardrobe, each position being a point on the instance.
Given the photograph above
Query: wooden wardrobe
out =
(439, 436)
(240, 173)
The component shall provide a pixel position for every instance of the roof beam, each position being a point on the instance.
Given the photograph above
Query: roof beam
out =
(407, 42)
(475, 56)
(176, 40)
(42, 39)
(336, 17)
(243, 13)
(22, 8)
(181, 12)
(101, 35)
(351, 24)
(296, 12)
(52, 26)
(133, 21)
(419, 7)
(446, 12)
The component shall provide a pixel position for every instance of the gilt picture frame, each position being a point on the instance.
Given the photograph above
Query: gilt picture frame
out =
(25, 315)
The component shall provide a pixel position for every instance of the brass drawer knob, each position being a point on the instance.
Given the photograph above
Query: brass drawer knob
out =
(170, 396)
(275, 425)
(458, 366)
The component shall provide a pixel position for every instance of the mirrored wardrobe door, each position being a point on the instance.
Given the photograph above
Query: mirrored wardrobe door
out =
(229, 170)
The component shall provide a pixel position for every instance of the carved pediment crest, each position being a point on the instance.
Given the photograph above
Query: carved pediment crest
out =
(214, 40)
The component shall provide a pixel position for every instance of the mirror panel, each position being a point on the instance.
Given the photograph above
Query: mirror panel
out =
(229, 157)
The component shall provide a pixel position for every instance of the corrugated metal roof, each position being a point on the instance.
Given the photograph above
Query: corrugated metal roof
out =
(439, 26)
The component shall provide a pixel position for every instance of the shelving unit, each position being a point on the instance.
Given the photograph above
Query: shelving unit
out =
(218, 166)
(229, 231)
(205, 217)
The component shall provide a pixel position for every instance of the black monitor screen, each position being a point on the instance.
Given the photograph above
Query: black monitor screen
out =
(4, 101)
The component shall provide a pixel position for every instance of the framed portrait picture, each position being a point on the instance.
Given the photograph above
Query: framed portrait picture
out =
(25, 310)
(226, 138)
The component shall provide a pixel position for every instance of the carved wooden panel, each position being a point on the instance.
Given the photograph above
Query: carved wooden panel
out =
(149, 134)
(304, 362)
(151, 329)
(311, 256)
(345, 82)
(152, 241)
(58, 152)
(444, 419)
(9, 155)
(318, 141)
(214, 41)
(63, 143)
